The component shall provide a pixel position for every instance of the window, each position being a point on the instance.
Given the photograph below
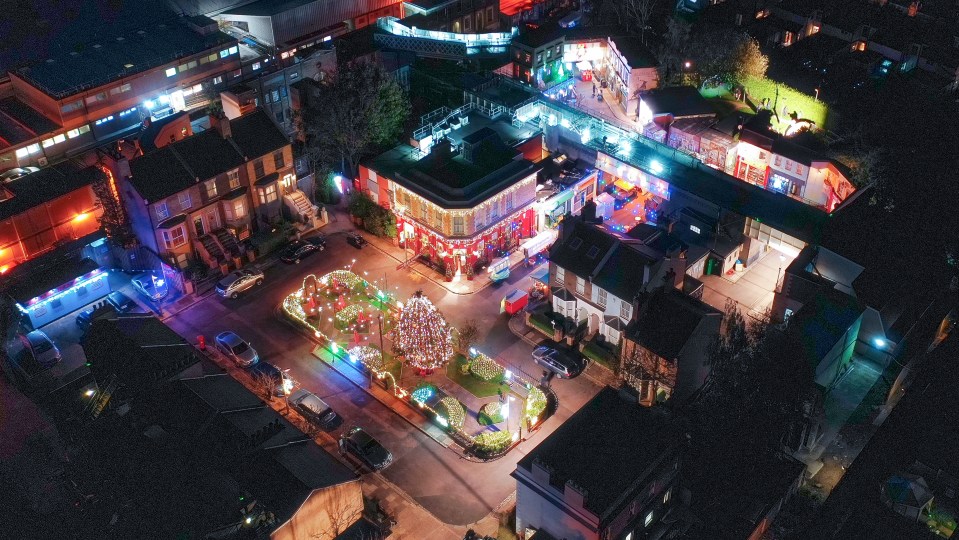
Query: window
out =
(580, 285)
(666, 495)
(239, 210)
(73, 133)
(234, 50)
(210, 189)
(258, 170)
(278, 159)
(457, 225)
(191, 65)
(601, 298)
(234, 177)
(256, 66)
(778, 161)
(224, 53)
(47, 143)
(624, 310)
(96, 97)
(799, 169)
(593, 252)
(509, 201)
(275, 95)
(185, 201)
(218, 79)
(170, 72)
(575, 243)
(70, 107)
(211, 58)
(268, 194)
(182, 67)
(161, 210)
(174, 237)
(648, 520)
(57, 139)
(695, 229)
(560, 275)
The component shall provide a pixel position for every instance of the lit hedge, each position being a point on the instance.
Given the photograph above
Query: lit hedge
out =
(535, 403)
(493, 442)
(455, 413)
(485, 368)
(493, 410)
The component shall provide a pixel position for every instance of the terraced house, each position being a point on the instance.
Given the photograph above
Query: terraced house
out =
(202, 196)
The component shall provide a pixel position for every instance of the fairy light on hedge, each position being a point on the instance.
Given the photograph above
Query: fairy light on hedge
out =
(423, 335)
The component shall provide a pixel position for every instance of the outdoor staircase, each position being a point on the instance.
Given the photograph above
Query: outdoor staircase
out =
(228, 242)
(213, 249)
(300, 206)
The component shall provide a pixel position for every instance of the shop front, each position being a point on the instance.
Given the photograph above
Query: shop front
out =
(751, 164)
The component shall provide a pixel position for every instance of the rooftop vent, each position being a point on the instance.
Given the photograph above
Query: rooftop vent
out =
(141, 32)
(97, 46)
(121, 38)
(49, 60)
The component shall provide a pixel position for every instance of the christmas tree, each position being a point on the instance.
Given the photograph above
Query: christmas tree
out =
(423, 335)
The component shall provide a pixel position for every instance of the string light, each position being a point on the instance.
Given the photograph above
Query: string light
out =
(423, 335)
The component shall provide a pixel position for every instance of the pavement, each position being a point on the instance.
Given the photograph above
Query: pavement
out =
(458, 493)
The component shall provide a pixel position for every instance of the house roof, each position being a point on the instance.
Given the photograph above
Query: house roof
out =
(222, 393)
(266, 8)
(796, 152)
(666, 322)
(569, 251)
(255, 134)
(48, 271)
(44, 186)
(535, 38)
(679, 101)
(19, 122)
(182, 164)
(606, 447)
(622, 274)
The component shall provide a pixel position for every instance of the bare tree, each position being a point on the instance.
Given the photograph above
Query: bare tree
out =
(639, 12)
(467, 335)
(340, 513)
(641, 367)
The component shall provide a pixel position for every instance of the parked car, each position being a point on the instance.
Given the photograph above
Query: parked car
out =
(152, 286)
(84, 319)
(301, 249)
(42, 348)
(355, 240)
(550, 359)
(121, 302)
(238, 281)
(276, 377)
(17, 172)
(313, 408)
(364, 447)
(235, 348)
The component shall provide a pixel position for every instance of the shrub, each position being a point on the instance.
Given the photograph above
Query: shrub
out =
(493, 411)
(485, 368)
(542, 323)
(455, 413)
(535, 403)
(493, 442)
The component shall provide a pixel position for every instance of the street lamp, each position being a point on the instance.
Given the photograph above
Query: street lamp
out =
(782, 258)
(379, 318)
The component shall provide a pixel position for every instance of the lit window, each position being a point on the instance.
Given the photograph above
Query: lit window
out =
(268, 194)
(34, 148)
(649, 519)
(256, 66)
(238, 209)
(695, 229)
(224, 53)
(22, 153)
(161, 210)
(218, 80)
(234, 50)
(59, 139)
(84, 129)
(170, 72)
(185, 201)
(234, 177)
(174, 238)
(666, 495)
(191, 65)
(47, 143)
(560, 275)
(457, 225)
(73, 133)
(182, 67)
(211, 189)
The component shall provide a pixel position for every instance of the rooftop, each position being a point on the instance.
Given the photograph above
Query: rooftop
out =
(44, 186)
(667, 321)
(606, 447)
(110, 54)
(822, 322)
(38, 275)
(267, 8)
(20, 122)
(679, 101)
(458, 178)
(569, 251)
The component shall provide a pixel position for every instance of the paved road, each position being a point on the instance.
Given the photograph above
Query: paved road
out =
(456, 491)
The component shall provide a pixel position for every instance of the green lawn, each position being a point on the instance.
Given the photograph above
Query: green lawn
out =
(807, 106)
(472, 383)
(600, 355)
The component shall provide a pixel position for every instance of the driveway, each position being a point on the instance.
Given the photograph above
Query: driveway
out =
(456, 491)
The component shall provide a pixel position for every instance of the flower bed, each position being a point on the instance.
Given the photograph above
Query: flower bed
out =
(368, 356)
(455, 413)
(492, 443)
(485, 368)
(423, 393)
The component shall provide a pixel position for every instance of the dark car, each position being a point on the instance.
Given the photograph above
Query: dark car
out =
(364, 447)
(355, 240)
(301, 249)
(121, 302)
(313, 408)
(273, 376)
(85, 319)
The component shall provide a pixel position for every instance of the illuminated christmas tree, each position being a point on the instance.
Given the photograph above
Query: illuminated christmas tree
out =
(422, 334)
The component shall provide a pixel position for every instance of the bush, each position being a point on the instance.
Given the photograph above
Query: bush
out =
(492, 411)
(542, 323)
(455, 413)
(267, 241)
(492, 443)
(485, 368)
(600, 354)
(535, 403)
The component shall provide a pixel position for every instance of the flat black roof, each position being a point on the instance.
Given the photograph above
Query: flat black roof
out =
(605, 447)
(679, 101)
(44, 186)
(107, 53)
(266, 8)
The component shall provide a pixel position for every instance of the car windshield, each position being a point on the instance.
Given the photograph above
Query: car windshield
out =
(42, 346)
(371, 445)
(240, 348)
(146, 284)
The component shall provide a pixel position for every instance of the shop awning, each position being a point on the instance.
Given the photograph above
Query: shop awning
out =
(541, 275)
(584, 66)
(624, 185)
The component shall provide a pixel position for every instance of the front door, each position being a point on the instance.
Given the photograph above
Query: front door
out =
(213, 220)
(198, 226)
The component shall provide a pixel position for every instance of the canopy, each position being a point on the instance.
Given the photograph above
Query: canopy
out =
(584, 66)
(541, 275)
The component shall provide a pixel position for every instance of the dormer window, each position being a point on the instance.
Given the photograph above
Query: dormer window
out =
(575, 243)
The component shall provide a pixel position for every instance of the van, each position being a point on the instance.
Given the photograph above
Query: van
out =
(312, 408)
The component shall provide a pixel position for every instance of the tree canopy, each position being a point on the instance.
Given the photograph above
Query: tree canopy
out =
(356, 110)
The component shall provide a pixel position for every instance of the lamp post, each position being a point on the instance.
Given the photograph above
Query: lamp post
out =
(782, 258)
(379, 318)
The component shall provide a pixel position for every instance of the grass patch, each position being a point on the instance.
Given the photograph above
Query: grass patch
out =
(473, 384)
(601, 355)
(490, 414)
(542, 323)
(792, 99)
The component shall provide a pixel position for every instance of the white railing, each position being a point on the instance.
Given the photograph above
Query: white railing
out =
(491, 39)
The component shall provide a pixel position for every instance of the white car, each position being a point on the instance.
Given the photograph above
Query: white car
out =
(150, 285)
(44, 351)
(238, 281)
(235, 348)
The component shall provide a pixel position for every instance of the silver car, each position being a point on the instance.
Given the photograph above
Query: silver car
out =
(549, 359)
(44, 351)
(238, 281)
(235, 348)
